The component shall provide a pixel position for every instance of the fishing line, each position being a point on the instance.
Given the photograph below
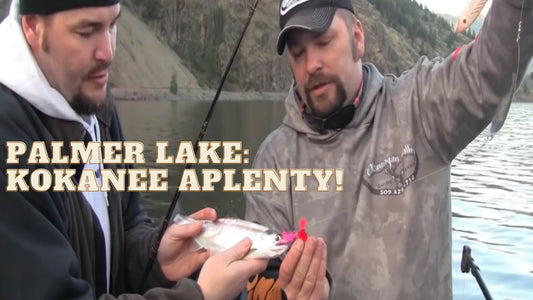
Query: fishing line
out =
(201, 134)
(490, 134)
(518, 46)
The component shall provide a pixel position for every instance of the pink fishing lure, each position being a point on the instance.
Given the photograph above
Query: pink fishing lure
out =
(287, 237)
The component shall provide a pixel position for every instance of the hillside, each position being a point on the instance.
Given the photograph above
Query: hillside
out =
(204, 34)
(141, 60)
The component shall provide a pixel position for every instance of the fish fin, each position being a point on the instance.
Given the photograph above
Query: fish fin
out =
(194, 246)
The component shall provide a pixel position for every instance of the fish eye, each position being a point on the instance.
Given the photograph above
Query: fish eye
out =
(277, 238)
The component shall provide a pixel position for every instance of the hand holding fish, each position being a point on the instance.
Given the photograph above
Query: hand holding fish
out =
(174, 255)
(225, 274)
(222, 234)
(302, 274)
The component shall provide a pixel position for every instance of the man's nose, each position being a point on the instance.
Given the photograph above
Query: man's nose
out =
(313, 61)
(105, 50)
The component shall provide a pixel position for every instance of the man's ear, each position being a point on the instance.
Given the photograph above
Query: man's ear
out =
(359, 38)
(33, 29)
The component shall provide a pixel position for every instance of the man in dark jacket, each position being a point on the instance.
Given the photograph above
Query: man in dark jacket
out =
(54, 65)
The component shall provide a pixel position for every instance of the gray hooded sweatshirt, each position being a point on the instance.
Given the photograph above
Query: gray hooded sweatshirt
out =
(389, 231)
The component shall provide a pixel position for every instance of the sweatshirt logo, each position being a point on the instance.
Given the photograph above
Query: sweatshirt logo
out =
(392, 174)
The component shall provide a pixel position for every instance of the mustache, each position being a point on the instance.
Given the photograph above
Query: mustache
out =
(317, 79)
(99, 68)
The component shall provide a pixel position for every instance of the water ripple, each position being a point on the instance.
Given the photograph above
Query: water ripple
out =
(492, 203)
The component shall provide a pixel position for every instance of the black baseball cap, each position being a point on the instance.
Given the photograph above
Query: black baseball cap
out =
(45, 7)
(314, 15)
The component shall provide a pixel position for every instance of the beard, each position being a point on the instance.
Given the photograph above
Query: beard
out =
(81, 102)
(84, 105)
(334, 105)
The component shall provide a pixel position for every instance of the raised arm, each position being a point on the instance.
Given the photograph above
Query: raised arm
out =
(456, 98)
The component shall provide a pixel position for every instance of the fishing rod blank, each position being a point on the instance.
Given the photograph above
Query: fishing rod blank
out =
(201, 135)
(467, 265)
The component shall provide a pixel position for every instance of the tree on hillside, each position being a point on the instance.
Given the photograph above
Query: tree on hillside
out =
(450, 39)
(173, 84)
(412, 19)
(171, 19)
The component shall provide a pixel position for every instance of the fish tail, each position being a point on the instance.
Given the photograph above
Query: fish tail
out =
(503, 110)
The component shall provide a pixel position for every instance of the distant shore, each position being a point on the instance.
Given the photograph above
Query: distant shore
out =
(143, 94)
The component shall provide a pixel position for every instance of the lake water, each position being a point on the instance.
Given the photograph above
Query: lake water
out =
(492, 191)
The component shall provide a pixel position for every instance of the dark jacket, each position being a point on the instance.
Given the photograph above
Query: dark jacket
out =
(51, 244)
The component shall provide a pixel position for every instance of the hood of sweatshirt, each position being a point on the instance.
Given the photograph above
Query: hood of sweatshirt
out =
(21, 73)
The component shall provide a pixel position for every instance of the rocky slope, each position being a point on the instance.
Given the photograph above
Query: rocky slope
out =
(204, 33)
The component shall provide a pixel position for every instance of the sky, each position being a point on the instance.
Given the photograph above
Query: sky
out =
(451, 7)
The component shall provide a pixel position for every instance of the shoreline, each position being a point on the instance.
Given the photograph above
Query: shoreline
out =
(163, 94)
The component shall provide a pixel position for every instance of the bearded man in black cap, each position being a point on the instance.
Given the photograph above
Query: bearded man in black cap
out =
(388, 230)
(54, 65)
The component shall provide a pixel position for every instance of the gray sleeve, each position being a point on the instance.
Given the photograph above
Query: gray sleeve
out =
(455, 98)
(272, 209)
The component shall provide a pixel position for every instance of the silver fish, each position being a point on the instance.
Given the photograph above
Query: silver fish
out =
(224, 233)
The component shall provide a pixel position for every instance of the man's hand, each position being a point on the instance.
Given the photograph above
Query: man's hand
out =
(302, 273)
(225, 274)
(174, 255)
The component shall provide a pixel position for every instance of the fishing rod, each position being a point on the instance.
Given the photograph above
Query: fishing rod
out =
(201, 135)
(467, 265)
